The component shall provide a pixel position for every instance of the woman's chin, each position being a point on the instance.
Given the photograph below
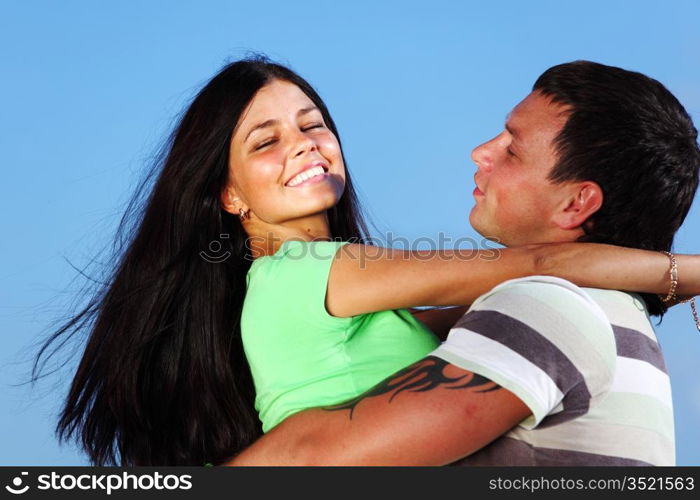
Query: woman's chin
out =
(320, 202)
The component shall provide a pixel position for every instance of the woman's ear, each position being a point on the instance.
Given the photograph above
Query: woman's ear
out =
(584, 200)
(229, 201)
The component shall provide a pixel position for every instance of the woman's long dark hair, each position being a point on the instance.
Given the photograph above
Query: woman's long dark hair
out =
(163, 379)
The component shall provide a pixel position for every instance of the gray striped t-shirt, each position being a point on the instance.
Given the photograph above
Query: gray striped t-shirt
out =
(585, 361)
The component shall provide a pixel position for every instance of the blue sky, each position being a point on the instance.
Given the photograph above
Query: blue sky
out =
(90, 89)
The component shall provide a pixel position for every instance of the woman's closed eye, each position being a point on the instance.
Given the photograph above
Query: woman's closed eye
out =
(311, 126)
(264, 143)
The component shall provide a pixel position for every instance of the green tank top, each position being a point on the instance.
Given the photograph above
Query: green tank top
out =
(301, 356)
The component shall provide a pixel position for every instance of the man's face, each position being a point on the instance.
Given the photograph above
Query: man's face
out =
(515, 201)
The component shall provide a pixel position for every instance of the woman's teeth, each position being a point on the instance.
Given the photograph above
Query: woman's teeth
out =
(305, 175)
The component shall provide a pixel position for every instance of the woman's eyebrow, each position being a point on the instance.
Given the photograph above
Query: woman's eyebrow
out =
(307, 110)
(269, 123)
(265, 124)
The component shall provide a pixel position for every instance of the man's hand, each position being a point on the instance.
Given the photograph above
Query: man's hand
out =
(431, 413)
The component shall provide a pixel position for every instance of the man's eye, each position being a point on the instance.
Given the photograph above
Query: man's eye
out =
(510, 152)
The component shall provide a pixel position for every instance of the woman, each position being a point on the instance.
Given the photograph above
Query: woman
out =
(255, 163)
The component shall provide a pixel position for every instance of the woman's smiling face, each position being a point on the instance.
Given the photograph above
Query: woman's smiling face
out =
(284, 162)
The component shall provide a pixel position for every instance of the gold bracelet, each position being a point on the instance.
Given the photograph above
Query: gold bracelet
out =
(671, 297)
(673, 273)
(695, 313)
(693, 310)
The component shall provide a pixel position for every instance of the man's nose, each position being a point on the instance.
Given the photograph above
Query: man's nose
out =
(482, 155)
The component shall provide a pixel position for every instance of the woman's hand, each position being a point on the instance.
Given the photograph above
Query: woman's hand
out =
(607, 266)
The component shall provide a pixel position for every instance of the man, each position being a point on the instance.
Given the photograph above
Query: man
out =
(539, 371)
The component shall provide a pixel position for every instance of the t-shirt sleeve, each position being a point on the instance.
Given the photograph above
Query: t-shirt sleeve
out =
(296, 280)
(542, 338)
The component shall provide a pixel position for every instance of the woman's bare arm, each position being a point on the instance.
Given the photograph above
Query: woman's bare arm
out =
(366, 279)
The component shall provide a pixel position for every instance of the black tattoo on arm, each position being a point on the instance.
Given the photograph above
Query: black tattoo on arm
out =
(425, 375)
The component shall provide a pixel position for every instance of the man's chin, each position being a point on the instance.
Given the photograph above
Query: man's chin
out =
(474, 221)
(478, 225)
(485, 232)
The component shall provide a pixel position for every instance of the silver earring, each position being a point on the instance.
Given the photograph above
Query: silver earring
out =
(243, 214)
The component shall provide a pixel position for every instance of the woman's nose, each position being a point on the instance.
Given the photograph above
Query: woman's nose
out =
(303, 144)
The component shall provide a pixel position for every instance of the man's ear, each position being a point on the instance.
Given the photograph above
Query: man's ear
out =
(229, 201)
(584, 200)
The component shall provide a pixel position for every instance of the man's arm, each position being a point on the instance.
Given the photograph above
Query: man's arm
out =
(431, 413)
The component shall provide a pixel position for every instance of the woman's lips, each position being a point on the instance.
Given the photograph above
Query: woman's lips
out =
(311, 171)
(477, 192)
(313, 180)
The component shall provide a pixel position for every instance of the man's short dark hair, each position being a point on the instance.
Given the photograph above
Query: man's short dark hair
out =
(630, 135)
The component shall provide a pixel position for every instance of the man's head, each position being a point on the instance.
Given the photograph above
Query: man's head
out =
(594, 153)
